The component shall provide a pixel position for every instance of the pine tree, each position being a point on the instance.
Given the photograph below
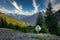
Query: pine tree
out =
(10, 25)
(50, 19)
(49, 9)
(5, 23)
(1, 22)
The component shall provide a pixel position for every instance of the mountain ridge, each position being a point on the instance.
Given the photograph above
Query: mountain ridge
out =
(13, 20)
(27, 18)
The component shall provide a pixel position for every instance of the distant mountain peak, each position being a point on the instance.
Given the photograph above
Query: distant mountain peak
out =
(30, 19)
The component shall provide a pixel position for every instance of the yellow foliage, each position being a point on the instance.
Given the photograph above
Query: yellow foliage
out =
(13, 21)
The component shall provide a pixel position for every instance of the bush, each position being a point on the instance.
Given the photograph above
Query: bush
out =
(44, 28)
(58, 30)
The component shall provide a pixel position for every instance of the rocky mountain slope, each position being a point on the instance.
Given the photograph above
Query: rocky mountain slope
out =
(30, 19)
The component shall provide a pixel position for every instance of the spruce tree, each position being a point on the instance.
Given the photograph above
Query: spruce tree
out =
(50, 19)
(5, 23)
(49, 9)
(1, 22)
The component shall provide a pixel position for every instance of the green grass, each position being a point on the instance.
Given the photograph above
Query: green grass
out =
(38, 37)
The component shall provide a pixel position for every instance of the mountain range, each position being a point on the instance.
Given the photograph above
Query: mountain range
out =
(30, 19)
(12, 20)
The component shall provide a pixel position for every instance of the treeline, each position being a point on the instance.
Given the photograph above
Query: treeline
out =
(4, 24)
(51, 20)
(50, 24)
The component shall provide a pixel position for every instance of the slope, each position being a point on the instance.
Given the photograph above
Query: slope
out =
(12, 20)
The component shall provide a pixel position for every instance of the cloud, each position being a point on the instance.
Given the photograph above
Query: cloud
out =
(55, 4)
(4, 10)
(14, 11)
(56, 7)
(18, 8)
(47, 1)
(52, 1)
(35, 6)
(28, 13)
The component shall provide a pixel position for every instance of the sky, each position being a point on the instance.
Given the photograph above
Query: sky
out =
(26, 7)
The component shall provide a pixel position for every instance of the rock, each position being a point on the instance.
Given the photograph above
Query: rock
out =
(8, 34)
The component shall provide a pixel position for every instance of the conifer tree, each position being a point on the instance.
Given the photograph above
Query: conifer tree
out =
(1, 22)
(50, 19)
(5, 23)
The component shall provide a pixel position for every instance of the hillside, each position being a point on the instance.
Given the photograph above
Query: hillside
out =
(31, 19)
(13, 21)
(7, 34)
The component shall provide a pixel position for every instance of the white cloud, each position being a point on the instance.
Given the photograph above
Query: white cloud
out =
(28, 13)
(56, 7)
(35, 6)
(4, 10)
(18, 8)
(44, 10)
(14, 11)
(54, 3)
(47, 1)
